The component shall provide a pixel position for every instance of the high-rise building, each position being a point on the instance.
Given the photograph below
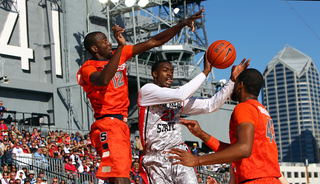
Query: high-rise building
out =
(291, 93)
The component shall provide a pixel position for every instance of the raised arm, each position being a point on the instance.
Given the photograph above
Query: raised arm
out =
(208, 105)
(166, 35)
(103, 78)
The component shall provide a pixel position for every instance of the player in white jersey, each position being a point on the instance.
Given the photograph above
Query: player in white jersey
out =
(159, 116)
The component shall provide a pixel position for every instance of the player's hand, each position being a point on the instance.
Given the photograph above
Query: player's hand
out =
(117, 33)
(206, 65)
(190, 21)
(211, 180)
(185, 158)
(193, 126)
(236, 70)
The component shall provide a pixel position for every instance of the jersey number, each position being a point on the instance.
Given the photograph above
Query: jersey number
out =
(168, 116)
(117, 79)
(270, 130)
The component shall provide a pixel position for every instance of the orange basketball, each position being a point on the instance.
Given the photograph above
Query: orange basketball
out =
(221, 54)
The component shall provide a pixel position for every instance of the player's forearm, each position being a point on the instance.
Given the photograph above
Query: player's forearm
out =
(231, 154)
(214, 143)
(166, 35)
(111, 68)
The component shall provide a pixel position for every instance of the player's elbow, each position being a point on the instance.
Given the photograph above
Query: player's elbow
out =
(245, 151)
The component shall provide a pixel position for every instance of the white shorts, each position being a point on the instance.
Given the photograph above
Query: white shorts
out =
(158, 169)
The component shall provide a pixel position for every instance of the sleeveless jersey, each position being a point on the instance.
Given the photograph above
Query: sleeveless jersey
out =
(263, 161)
(111, 99)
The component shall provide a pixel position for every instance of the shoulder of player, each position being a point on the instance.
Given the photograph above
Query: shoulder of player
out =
(244, 106)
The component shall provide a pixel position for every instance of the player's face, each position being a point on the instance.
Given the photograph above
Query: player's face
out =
(103, 46)
(164, 75)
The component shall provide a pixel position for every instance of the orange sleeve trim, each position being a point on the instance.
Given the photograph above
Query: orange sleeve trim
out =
(213, 143)
(87, 71)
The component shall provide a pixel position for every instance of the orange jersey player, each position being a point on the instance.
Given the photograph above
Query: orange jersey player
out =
(253, 150)
(103, 78)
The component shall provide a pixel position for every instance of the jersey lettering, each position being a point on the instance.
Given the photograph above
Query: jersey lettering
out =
(117, 79)
(165, 127)
(270, 130)
(103, 136)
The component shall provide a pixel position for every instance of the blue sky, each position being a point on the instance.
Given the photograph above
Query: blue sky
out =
(260, 29)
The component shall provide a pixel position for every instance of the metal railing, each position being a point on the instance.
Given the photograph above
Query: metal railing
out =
(220, 177)
(52, 168)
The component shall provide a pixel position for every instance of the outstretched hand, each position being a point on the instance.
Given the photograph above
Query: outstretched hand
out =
(185, 158)
(236, 70)
(192, 18)
(117, 33)
(193, 126)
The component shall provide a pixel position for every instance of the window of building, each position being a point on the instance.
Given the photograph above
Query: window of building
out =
(289, 174)
(315, 175)
(303, 174)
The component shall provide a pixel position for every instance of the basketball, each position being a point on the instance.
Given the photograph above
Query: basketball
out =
(221, 54)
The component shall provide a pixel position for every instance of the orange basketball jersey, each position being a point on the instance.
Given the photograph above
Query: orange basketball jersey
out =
(263, 161)
(111, 99)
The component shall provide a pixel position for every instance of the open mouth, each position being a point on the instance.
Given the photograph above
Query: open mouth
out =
(169, 81)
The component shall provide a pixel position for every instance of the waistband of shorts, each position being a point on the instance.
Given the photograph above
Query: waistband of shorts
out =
(118, 116)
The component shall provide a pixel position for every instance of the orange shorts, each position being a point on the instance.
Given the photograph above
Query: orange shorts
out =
(111, 139)
(268, 180)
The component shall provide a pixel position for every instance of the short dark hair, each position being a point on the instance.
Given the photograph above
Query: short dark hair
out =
(90, 40)
(157, 63)
(252, 80)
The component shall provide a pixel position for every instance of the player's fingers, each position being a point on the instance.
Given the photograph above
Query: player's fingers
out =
(244, 59)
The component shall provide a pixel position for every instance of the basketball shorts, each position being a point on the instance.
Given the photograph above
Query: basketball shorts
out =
(267, 180)
(157, 168)
(111, 139)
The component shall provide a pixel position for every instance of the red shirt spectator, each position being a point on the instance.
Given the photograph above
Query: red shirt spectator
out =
(70, 167)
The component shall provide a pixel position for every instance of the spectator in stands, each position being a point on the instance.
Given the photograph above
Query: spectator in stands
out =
(55, 181)
(20, 139)
(27, 181)
(62, 182)
(43, 141)
(133, 149)
(5, 177)
(28, 140)
(17, 181)
(17, 149)
(137, 180)
(41, 174)
(27, 134)
(15, 132)
(92, 170)
(35, 132)
(25, 170)
(34, 147)
(70, 167)
(39, 180)
(31, 177)
(67, 138)
(14, 168)
(2, 149)
(23, 132)
(45, 152)
(195, 150)
(12, 175)
(20, 176)
(7, 155)
(2, 108)
(3, 127)
(139, 146)
(78, 136)
(82, 168)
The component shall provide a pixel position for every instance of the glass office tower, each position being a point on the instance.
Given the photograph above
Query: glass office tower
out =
(291, 93)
